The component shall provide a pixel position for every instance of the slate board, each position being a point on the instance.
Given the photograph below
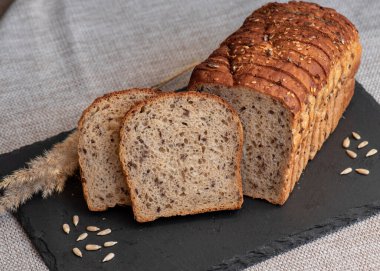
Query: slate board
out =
(322, 202)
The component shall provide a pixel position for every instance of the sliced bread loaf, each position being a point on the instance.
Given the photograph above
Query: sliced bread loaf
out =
(181, 154)
(102, 176)
(289, 72)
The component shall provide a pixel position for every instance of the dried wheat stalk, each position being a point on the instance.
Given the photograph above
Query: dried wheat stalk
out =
(47, 174)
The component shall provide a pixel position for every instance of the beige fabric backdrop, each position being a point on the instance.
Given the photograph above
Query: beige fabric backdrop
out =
(56, 56)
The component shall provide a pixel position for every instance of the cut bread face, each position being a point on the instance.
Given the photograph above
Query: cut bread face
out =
(181, 155)
(102, 176)
(267, 141)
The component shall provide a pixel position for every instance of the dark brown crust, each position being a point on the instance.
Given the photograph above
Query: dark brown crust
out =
(239, 154)
(80, 126)
(317, 35)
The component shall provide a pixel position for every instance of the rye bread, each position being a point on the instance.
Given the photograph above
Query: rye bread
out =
(289, 72)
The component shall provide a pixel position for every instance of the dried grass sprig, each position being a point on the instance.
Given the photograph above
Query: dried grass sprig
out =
(47, 174)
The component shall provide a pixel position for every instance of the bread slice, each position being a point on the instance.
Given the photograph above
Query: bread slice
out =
(102, 176)
(181, 155)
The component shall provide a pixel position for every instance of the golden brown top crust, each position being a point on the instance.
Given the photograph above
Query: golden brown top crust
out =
(280, 48)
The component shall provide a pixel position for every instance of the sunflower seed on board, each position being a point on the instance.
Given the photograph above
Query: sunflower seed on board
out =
(362, 144)
(371, 152)
(75, 220)
(109, 244)
(92, 228)
(66, 228)
(77, 252)
(346, 143)
(352, 154)
(82, 236)
(109, 257)
(104, 232)
(362, 171)
(356, 136)
(93, 247)
(346, 171)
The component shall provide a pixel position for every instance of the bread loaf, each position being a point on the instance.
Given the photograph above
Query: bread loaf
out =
(102, 177)
(181, 154)
(289, 72)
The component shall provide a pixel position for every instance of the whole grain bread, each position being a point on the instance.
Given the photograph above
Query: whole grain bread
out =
(289, 72)
(101, 173)
(181, 155)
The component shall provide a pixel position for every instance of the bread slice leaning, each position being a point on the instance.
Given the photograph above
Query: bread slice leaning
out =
(181, 155)
(98, 147)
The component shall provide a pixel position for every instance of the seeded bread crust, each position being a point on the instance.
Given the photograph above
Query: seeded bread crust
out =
(300, 54)
(86, 113)
(131, 188)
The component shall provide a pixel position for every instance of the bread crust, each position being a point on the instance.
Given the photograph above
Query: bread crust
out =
(80, 127)
(163, 96)
(316, 46)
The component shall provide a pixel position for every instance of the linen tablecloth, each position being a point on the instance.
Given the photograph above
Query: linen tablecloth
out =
(56, 56)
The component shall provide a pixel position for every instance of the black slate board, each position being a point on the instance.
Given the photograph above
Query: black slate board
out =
(321, 202)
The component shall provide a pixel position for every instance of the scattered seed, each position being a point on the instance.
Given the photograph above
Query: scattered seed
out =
(352, 154)
(82, 236)
(104, 232)
(363, 144)
(356, 136)
(66, 228)
(109, 257)
(92, 228)
(371, 152)
(362, 171)
(346, 171)
(93, 247)
(75, 220)
(77, 252)
(109, 244)
(346, 143)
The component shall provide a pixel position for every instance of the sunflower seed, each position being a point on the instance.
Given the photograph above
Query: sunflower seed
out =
(77, 252)
(371, 152)
(346, 143)
(109, 244)
(82, 236)
(93, 247)
(75, 220)
(346, 171)
(109, 257)
(356, 136)
(363, 144)
(213, 65)
(66, 228)
(352, 154)
(92, 228)
(362, 171)
(104, 232)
